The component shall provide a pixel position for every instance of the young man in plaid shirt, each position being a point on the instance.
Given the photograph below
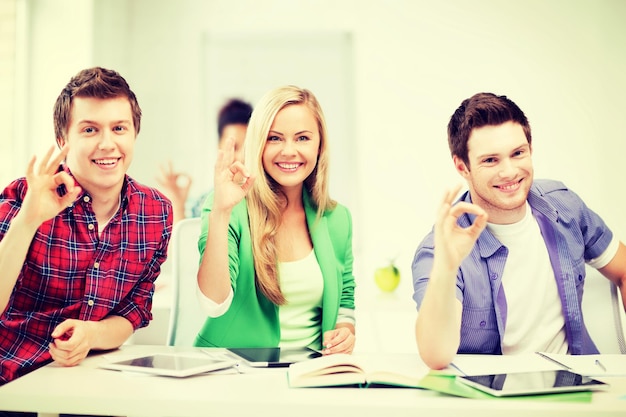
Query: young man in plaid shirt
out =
(81, 242)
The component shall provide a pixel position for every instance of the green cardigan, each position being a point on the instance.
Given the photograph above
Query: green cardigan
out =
(252, 320)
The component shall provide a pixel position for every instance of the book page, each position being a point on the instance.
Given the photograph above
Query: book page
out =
(330, 370)
(339, 369)
(393, 369)
(327, 364)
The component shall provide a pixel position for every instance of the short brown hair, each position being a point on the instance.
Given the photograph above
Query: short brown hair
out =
(92, 82)
(233, 112)
(482, 109)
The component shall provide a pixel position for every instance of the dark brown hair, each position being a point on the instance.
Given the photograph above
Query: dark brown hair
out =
(233, 112)
(482, 109)
(92, 82)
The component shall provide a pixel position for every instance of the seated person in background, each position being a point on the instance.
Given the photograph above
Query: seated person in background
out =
(81, 243)
(232, 122)
(504, 268)
(276, 250)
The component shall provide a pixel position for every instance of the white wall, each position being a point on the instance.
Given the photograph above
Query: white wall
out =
(59, 39)
(562, 61)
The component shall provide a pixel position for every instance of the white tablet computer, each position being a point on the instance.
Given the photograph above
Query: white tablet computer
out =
(273, 357)
(171, 365)
(533, 383)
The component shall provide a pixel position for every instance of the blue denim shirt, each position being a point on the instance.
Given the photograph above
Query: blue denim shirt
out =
(573, 235)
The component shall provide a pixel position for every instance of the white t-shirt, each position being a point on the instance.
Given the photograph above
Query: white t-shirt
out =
(534, 320)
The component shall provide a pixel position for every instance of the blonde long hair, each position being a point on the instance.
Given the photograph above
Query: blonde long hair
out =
(264, 199)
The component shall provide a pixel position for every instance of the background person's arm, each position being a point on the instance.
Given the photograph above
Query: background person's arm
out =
(176, 187)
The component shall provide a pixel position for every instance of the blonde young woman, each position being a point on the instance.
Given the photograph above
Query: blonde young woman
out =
(276, 267)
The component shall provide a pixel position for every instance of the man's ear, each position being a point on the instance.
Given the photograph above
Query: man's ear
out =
(60, 142)
(460, 166)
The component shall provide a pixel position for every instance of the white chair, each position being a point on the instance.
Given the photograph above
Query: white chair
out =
(603, 313)
(186, 316)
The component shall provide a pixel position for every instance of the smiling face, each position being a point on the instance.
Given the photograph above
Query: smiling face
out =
(292, 147)
(101, 136)
(500, 171)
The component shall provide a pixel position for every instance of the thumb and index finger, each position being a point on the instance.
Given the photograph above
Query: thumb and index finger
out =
(48, 164)
(45, 176)
(72, 190)
(60, 178)
(225, 155)
(226, 161)
(449, 211)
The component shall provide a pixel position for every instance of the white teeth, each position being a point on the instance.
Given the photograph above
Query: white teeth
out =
(509, 187)
(288, 166)
(105, 161)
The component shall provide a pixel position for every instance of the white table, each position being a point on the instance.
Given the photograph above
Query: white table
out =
(85, 389)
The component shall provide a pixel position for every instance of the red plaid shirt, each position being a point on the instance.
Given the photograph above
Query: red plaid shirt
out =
(72, 273)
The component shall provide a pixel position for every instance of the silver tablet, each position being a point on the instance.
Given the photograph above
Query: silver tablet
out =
(175, 365)
(532, 383)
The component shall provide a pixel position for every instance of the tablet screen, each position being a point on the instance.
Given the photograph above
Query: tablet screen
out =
(274, 356)
(171, 362)
(530, 383)
(170, 365)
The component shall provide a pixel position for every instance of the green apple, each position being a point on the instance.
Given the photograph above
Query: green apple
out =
(387, 278)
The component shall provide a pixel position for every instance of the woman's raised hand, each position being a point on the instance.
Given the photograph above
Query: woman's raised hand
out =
(232, 180)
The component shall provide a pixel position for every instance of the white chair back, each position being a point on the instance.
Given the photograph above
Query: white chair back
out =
(603, 313)
(186, 316)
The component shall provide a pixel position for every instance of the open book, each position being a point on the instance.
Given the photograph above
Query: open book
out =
(358, 370)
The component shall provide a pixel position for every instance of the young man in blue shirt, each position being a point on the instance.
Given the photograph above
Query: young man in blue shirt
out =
(503, 270)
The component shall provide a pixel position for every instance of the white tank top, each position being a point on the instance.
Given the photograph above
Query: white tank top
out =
(302, 284)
